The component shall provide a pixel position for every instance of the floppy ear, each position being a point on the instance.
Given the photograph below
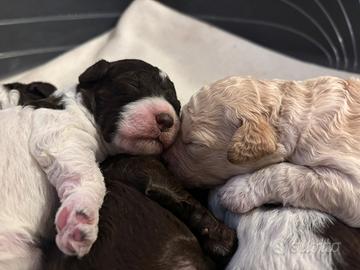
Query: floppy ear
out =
(41, 89)
(92, 74)
(36, 89)
(252, 141)
(95, 72)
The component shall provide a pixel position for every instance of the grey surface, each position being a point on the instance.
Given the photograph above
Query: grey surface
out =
(324, 32)
(34, 31)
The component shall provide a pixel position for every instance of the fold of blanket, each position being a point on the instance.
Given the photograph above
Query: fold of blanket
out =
(193, 53)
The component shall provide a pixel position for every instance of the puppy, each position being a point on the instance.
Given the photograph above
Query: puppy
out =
(136, 233)
(296, 143)
(126, 106)
(252, 114)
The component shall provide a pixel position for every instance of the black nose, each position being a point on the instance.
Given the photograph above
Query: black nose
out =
(164, 121)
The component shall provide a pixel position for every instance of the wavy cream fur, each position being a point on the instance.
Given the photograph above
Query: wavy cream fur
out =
(316, 159)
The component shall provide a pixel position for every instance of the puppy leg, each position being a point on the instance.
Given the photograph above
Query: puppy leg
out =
(71, 168)
(320, 188)
(149, 176)
(78, 216)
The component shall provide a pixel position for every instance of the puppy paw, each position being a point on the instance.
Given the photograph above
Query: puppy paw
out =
(239, 196)
(219, 241)
(77, 225)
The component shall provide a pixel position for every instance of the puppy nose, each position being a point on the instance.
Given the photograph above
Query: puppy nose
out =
(164, 121)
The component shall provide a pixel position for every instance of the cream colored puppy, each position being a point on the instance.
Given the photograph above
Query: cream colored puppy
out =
(294, 142)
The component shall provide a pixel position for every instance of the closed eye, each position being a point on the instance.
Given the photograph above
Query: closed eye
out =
(187, 142)
(195, 144)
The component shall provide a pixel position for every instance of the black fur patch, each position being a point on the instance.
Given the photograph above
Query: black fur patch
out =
(37, 95)
(346, 240)
(106, 87)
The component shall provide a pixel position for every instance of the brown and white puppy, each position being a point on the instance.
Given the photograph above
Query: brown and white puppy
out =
(239, 125)
(292, 142)
(135, 232)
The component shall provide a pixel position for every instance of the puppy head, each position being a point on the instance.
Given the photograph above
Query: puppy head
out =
(226, 130)
(134, 105)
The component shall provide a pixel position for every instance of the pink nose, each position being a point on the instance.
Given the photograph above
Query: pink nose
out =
(164, 120)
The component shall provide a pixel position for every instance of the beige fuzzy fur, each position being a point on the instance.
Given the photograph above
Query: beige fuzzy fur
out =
(294, 142)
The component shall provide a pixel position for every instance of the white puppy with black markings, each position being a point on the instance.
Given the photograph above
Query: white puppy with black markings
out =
(126, 106)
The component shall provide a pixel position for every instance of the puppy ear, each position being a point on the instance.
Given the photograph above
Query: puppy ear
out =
(252, 141)
(95, 72)
(41, 89)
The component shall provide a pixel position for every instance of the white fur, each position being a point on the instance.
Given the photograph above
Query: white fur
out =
(163, 75)
(137, 130)
(45, 152)
(278, 239)
(42, 149)
(8, 98)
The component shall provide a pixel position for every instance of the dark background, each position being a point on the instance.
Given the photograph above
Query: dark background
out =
(325, 32)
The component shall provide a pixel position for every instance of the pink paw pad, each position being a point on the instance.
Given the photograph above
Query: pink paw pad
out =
(77, 228)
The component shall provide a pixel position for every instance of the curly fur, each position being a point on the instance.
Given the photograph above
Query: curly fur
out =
(303, 136)
(293, 142)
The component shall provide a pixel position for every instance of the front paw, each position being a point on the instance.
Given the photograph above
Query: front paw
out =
(219, 241)
(77, 225)
(239, 195)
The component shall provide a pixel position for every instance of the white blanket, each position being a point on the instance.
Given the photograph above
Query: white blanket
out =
(191, 52)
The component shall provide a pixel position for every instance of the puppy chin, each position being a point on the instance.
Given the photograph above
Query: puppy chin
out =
(187, 170)
(147, 147)
(146, 141)
(139, 146)
(178, 168)
(168, 138)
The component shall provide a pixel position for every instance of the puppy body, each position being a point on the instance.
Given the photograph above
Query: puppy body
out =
(246, 129)
(274, 238)
(54, 139)
(130, 237)
(286, 139)
(136, 233)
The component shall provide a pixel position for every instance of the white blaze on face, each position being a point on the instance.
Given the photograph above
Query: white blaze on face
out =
(138, 131)
(163, 75)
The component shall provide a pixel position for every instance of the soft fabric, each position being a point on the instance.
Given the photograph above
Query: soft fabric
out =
(191, 52)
